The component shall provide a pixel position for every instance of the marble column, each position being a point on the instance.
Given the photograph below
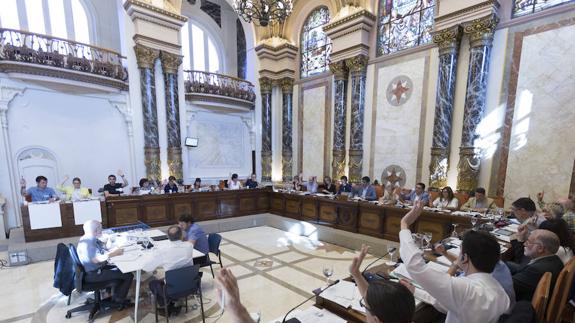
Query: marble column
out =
(480, 33)
(448, 41)
(357, 66)
(287, 128)
(146, 57)
(170, 65)
(266, 153)
(340, 74)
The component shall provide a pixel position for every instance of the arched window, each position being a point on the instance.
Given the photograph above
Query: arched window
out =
(199, 49)
(59, 25)
(526, 7)
(404, 24)
(315, 45)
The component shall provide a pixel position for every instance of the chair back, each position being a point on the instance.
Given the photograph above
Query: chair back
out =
(541, 296)
(560, 295)
(378, 191)
(182, 282)
(79, 269)
(214, 241)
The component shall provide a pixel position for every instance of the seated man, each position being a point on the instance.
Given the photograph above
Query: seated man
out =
(94, 257)
(479, 203)
(39, 193)
(113, 188)
(476, 297)
(328, 187)
(252, 182)
(417, 194)
(344, 186)
(366, 191)
(75, 192)
(180, 255)
(312, 185)
(541, 247)
(525, 211)
(193, 233)
(171, 186)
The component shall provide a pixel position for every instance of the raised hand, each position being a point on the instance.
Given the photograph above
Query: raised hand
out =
(356, 263)
(540, 196)
(412, 215)
(22, 182)
(120, 172)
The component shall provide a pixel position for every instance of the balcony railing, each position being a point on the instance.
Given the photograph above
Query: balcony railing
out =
(52, 52)
(213, 84)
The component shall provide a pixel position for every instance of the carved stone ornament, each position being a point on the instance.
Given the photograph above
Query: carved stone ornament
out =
(153, 163)
(266, 166)
(438, 168)
(339, 70)
(481, 30)
(338, 164)
(355, 165)
(170, 62)
(146, 56)
(468, 169)
(356, 63)
(266, 85)
(175, 162)
(399, 90)
(287, 166)
(448, 39)
(286, 84)
(393, 176)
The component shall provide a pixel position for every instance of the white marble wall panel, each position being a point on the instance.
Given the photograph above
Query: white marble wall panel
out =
(313, 131)
(397, 128)
(542, 146)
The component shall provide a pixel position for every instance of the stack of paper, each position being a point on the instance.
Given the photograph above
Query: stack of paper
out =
(342, 293)
(312, 315)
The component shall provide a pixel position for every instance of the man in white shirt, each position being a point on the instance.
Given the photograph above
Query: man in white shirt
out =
(475, 298)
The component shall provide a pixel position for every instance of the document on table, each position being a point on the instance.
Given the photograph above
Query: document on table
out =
(87, 210)
(43, 216)
(443, 260)
(312, 315)
(342, 293)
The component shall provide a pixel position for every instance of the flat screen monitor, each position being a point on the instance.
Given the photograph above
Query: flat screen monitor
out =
(191, 142)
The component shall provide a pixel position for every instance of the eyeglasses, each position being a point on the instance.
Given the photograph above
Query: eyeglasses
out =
(527, 242)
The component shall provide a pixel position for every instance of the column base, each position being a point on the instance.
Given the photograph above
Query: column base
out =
(355, 165)
(338, 164)
(438, 168)
(287, 166)
(175, 162)
(468, 169)
(266, 166)
(153, 163)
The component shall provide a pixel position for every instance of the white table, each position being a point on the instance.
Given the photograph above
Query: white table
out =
(135, 259)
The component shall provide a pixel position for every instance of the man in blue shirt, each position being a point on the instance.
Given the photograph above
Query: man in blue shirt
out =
(418, 194)
(193, 233)
(39, 193)
(366, 190)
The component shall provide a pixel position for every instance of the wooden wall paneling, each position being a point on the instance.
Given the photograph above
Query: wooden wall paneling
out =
(206, 208)
(228, 204)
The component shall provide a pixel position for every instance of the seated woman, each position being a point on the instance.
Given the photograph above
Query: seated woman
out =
(172, 186)
(145, 187)
(197, 185)
(75, 192)
(447, 200)
(297, 185)
(566, 240)
(328, 186)
(234, 183)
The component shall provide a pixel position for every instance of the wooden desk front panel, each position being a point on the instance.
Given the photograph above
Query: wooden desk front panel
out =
(347, 216)
(293, 206)
(327, 212)
(309, 209)
(371, 220)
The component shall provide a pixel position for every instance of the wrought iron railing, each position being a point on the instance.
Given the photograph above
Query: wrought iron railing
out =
(27, 47)
(219, 84)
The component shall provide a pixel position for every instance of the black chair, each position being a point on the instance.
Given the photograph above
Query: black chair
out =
(181, 283)
(81, 286)
(214, 241)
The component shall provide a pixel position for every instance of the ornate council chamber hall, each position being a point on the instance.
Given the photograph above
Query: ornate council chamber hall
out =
(466, 94)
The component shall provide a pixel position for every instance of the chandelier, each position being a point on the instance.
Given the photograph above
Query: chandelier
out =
(263, 12)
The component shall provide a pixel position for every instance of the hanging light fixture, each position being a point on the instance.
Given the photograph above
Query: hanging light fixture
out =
(263, 12)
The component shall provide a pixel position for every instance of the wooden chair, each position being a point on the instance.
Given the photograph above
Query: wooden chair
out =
(378, 191)
(432, 196)
(541, 296)
(560, 296)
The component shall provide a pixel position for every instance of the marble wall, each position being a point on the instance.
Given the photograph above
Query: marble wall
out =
(314, 131)
(398, 126)
(542, 143)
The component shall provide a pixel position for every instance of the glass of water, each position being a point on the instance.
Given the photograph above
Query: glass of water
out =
(391, 251)
(327, 272)
(427, 239)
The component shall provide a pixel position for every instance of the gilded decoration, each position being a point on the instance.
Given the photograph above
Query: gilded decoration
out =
(175, 162)
(448, 39)
(339, 70)
(266, 166)
(170, 62)
(146, 56)
(153, 163)
(357, 63)
(266, 85)
(338, 164)
(286, 84)
(468, 169)
(287, 166)
(355, 165)
(481, 30)
(438, 168)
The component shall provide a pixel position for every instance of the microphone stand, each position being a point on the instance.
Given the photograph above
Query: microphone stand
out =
(294, 320)
(373, 262)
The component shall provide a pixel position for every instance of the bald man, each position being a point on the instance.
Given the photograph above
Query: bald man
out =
(94, 257)
(541, 247)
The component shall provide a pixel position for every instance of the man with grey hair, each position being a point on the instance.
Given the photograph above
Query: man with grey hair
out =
(94, 256)
(541, 247)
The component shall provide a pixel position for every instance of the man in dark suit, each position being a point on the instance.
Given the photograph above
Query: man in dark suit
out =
(344, 186)
(366, 191)
(541, 247)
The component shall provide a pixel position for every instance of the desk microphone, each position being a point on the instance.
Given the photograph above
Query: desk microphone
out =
(371, 277)
(293, 319)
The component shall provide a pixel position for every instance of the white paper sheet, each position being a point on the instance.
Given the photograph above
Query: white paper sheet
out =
(443, 260)
(87, 210)
(312, 315)
(342, 293)
(44, 216)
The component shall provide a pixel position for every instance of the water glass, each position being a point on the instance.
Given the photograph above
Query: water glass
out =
(391, 251)
(454, 233)
(327, 272)
(427, 239)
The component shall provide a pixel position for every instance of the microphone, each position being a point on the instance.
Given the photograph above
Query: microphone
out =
(293, 319)
(370, 277)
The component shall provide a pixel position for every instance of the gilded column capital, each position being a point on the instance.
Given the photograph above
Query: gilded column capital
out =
(286, 84)
(339, 70)
(146, 56)
(448, 39)
(481, 30)
(170, 62)
(266, 85)
(356, 63)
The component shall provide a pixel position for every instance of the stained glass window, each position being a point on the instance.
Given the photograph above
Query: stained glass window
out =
(525, 7)
(315, 45)
(404, 24)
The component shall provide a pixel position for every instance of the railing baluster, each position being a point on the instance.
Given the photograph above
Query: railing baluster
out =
(218, 84)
